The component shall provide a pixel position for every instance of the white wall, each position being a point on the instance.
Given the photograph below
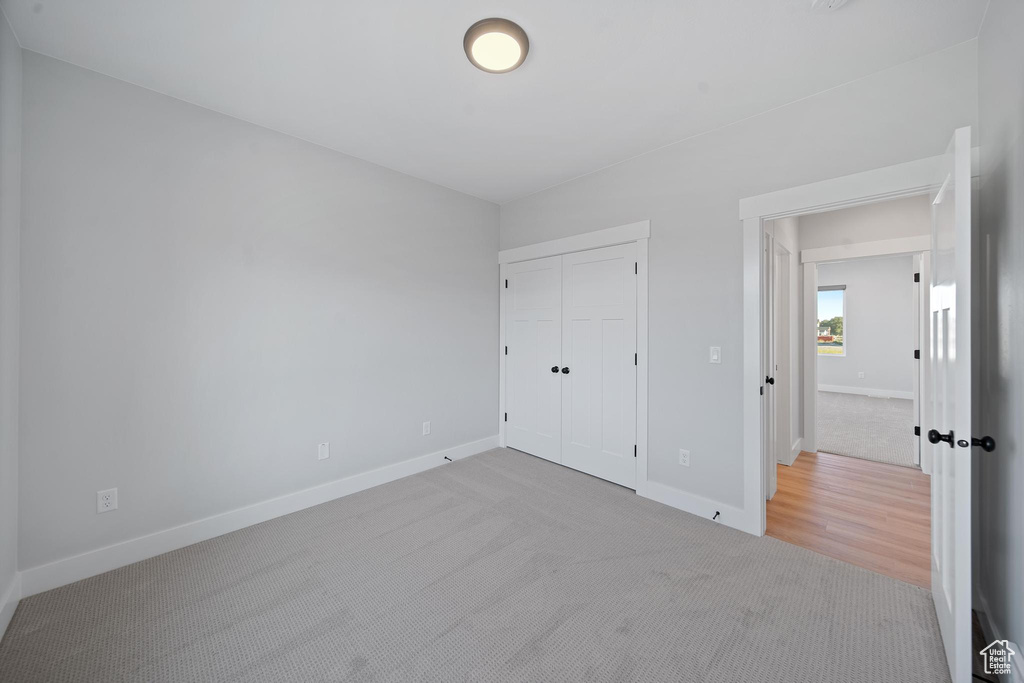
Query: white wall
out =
(205, 300)
(1000, 403)
(878, 329)
(691, 190)
(10, 227)
(787, 233)
(906, 217)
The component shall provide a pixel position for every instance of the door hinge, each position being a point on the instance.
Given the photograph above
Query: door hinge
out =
(506, 350)
(636, 268)
(634, 450)
(506, 284)
(506, 417)
(917, 354)
(917, 277)
(917, 430)
(634, 359)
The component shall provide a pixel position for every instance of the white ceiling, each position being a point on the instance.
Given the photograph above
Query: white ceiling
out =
(387, 80)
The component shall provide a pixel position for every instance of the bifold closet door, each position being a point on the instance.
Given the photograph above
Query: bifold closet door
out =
(599, 350)
(533, 337)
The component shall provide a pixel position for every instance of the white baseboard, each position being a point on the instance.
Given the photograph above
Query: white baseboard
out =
(788, 459)
(993, 633)
(731, 516)
(860, 391)
(9, 602)
(68, 570)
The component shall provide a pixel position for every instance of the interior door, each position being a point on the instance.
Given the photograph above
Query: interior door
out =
(533, 332)
(599, 363)
(949, 432)
(925, 380)
(782, 373)
(768, 424)
(919, 324)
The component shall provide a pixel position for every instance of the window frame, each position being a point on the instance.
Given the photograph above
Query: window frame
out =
(831, 288)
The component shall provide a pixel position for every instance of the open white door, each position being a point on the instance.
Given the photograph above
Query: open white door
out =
(949, 404)
(783, 388)
(768, 424)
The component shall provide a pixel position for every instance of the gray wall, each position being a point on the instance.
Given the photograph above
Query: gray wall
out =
(691, 190)
(1001, 260)
(10, 226)
(879, 329)
(205, 300)
(905, 217)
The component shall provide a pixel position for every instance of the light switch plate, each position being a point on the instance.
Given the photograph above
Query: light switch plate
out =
(716, 355)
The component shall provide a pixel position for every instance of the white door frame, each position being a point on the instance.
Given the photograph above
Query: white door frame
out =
(640, 233)
(891, 182)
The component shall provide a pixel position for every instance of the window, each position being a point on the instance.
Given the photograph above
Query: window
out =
(831, 320)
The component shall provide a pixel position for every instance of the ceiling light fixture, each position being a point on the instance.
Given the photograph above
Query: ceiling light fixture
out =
(496, 46)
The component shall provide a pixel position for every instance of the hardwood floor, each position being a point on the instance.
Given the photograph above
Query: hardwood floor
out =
(870, 514)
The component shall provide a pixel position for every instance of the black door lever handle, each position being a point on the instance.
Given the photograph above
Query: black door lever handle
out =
(935, 437)
(987, 443)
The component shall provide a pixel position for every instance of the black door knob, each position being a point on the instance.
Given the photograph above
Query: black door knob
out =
(987, 443)
(935, 437)
(565, 371)
(554, 369)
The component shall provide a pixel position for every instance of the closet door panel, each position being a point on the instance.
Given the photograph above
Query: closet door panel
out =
(598, 348)
(577, 387)
(533, 330)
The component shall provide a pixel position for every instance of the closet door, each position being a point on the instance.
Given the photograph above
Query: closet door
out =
(598, 350)
(533, 329)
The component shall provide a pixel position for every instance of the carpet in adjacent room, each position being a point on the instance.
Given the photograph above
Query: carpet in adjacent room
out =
(867, 427)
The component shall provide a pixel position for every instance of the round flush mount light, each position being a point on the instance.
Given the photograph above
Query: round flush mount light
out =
(496, 46)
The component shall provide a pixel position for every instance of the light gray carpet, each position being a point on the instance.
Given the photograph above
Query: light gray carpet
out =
(879, 429)
(498, 567)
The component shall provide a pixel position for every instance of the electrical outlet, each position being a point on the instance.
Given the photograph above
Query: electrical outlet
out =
(684, 457)
(426, 428)
(106, 501)
(323, 451)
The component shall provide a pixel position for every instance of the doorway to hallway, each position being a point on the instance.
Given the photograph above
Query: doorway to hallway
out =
(870, 514)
